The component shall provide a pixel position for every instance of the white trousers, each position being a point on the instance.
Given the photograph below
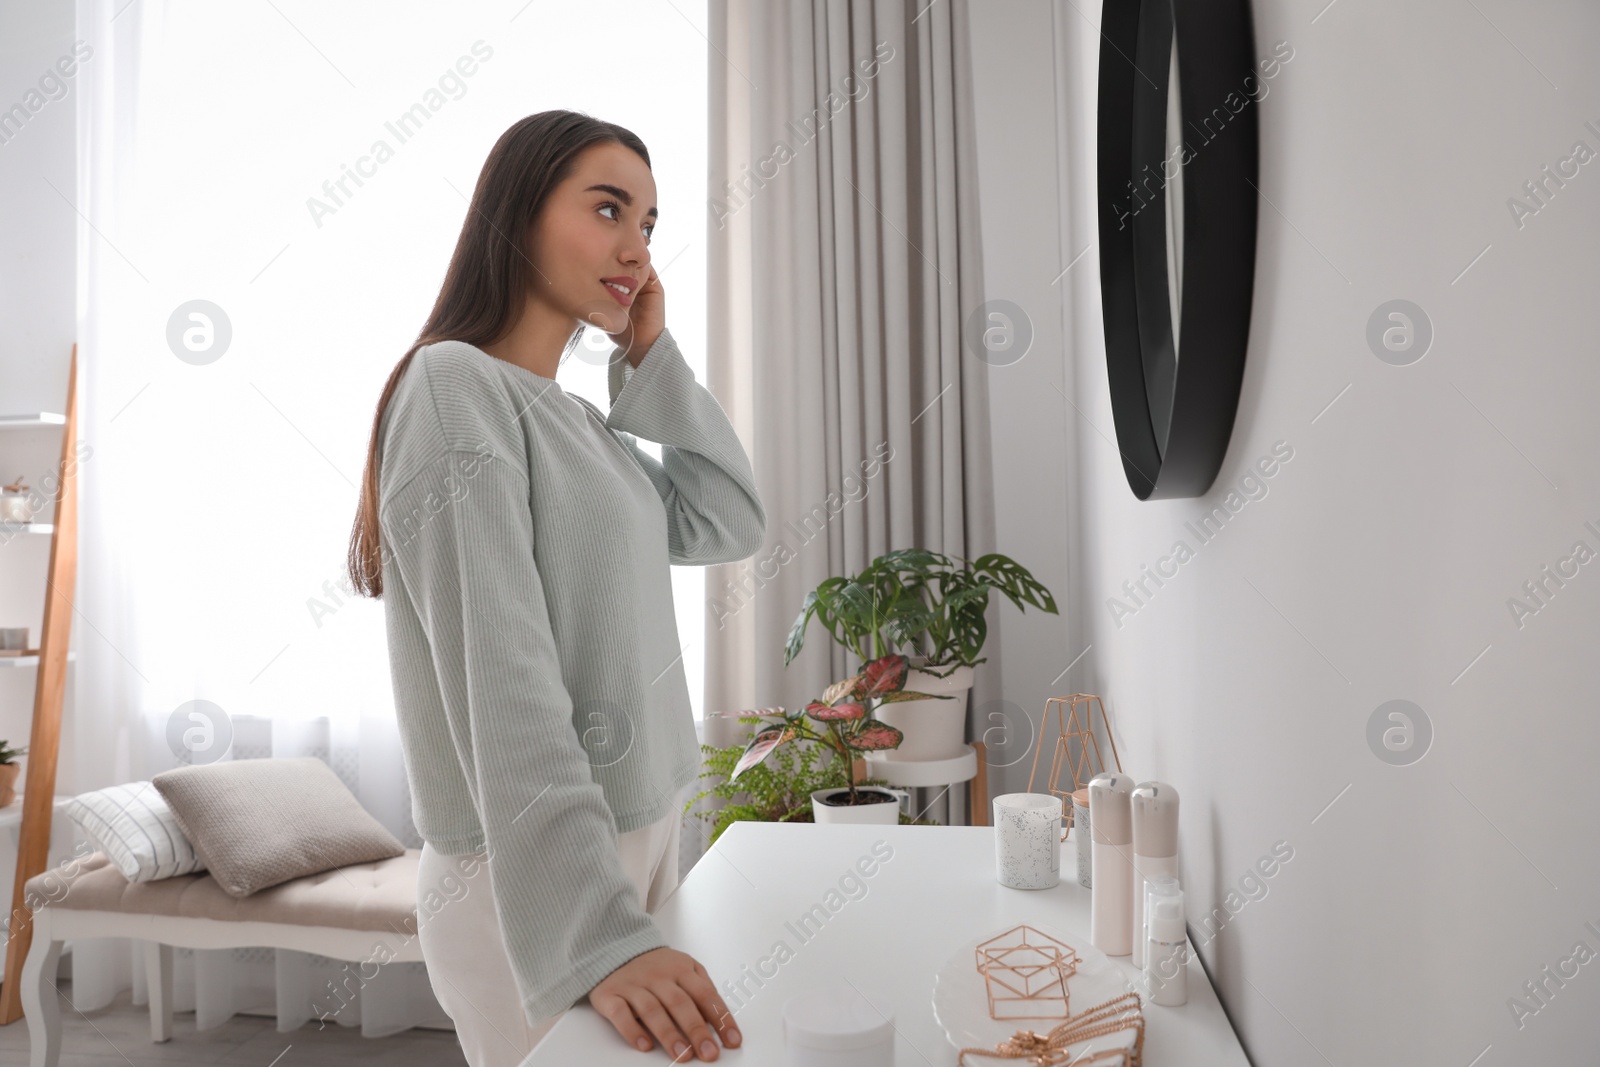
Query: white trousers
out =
(465, 950)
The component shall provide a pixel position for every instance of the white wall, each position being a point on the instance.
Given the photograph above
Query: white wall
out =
(38, 189)
(37, 263)
(37, 314)
(1379, 562)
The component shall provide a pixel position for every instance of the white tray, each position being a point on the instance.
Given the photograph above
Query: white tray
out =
(961, 1002)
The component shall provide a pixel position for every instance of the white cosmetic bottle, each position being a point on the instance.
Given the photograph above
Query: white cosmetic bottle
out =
(1111, 836)
(1155, 848)
(1166, 959)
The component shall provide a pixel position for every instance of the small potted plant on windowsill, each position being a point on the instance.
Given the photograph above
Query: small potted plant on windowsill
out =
(9, 769)
(933, 605)
(843, 722)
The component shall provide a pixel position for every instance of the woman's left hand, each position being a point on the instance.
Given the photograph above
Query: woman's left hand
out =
(647, 317)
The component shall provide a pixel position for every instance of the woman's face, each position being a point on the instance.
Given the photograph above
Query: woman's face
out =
(596, 225)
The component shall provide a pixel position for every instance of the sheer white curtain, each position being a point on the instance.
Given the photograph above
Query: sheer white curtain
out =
(270, 194)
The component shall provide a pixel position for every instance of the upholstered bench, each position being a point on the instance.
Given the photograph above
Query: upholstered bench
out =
(365, 912)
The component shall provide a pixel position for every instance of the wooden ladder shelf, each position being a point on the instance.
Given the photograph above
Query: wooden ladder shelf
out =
(44, 744)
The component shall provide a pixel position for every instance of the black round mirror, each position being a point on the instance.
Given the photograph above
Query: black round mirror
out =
(1177, 157)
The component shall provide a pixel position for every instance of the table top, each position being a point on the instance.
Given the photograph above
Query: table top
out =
(935, 894)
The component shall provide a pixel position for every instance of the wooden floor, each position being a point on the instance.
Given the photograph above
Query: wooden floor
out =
(119, 1036)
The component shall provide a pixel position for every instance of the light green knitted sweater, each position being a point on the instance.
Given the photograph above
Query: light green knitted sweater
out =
(537, 669)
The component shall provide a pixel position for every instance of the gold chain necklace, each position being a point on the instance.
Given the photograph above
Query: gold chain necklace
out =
(1050, 1050)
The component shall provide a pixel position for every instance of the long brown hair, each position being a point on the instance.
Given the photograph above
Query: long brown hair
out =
(485, 288)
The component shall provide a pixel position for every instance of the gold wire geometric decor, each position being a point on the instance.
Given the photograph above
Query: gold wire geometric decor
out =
(1076, 747)
(1025, 974)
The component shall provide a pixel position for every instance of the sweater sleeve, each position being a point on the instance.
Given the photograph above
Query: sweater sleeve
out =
(714, 513)
(464, 546)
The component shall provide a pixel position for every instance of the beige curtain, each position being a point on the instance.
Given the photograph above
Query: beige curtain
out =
(844, 277)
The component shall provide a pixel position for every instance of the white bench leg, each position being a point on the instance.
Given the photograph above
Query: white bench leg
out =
(39, 996)
(158, 980)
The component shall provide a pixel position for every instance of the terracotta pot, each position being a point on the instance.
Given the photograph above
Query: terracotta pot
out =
(885, 812)
(933, 729)
(8, 783)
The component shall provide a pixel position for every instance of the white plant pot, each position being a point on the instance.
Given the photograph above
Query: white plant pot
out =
(933, 729)
(886, 813)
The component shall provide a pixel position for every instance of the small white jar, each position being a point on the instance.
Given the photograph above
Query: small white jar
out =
(837, 1028)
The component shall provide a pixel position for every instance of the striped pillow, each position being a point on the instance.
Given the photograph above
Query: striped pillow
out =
(136, 829)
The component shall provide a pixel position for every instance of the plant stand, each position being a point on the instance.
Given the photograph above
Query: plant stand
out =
(918, 775)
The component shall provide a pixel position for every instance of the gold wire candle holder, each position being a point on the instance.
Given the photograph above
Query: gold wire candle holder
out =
(1071, 727)
(1025, 974)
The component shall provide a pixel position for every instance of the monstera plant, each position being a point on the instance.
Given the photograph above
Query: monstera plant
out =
(918, 599)
(841, 721)
(932, 606)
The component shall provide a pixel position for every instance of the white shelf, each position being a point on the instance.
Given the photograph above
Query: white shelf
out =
(32, 419)
(27, 527)
(27, 661)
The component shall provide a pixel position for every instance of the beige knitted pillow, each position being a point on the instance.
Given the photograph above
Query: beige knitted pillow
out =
(260, 822)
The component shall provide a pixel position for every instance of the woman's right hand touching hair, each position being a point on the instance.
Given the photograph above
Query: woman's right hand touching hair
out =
(666, 993)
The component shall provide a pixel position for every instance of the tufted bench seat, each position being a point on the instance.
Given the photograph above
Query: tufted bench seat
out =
(365, 912)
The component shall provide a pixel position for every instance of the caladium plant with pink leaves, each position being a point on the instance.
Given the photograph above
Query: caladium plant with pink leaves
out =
(843, 719)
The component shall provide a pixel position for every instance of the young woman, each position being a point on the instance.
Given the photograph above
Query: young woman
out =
(521, 542)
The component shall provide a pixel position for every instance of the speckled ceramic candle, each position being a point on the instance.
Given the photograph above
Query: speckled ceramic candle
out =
(1027, 840)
